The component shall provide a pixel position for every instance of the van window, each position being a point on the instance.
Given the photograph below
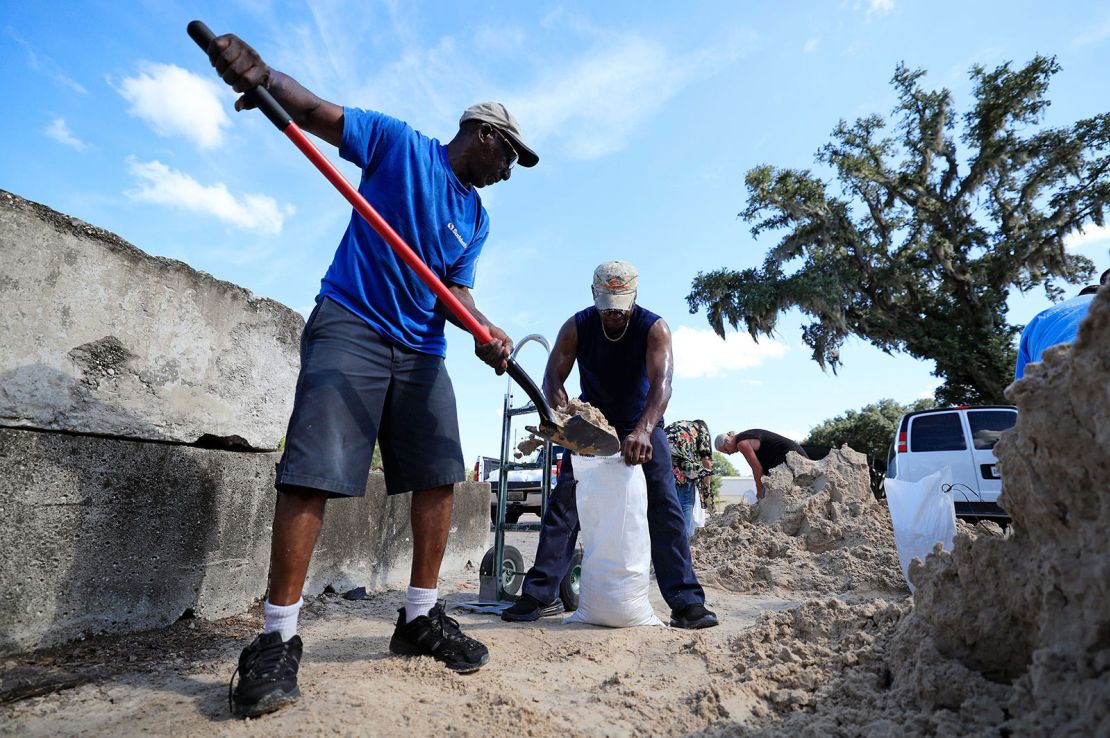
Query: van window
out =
(937, 432)
(987, 426)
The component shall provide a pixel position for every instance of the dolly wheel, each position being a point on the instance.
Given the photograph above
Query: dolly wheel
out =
(512, 569)
(569, 587)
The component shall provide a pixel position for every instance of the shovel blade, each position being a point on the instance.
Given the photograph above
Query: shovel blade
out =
(580, 436)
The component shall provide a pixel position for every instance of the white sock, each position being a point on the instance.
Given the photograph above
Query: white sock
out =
(282, 618)
(419, 602)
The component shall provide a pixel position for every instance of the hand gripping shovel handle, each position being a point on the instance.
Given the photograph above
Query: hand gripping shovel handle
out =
(261, 97)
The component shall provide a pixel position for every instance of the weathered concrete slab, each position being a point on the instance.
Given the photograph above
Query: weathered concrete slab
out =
(105, 535)
(100, 337)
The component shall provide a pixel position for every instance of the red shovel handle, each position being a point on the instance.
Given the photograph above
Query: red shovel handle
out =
(261, 97)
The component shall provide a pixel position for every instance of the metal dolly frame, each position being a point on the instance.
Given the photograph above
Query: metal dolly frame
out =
(499, 584)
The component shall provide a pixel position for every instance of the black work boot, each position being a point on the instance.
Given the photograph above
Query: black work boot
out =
(438, 636)
(693, 617)
(528, 608)
(267, 676)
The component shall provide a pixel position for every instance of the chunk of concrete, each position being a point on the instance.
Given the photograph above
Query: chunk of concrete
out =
(100, 337)
(104, 535)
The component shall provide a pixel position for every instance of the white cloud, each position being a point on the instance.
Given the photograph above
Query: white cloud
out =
(702, 353)
(59, 131)
(871, 8)
(1090, 235)
(874, 7)
(178, 103)
(810, 46)
(930, 390)
(47, 66)
(1093, 34)
(585, 102)
(595, 102)
(159, 184)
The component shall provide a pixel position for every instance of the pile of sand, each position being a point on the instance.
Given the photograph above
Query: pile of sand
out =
(818, 530)
(1009, 634)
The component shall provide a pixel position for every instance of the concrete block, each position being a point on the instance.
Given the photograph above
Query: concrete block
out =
(107, 535)
(100, 337)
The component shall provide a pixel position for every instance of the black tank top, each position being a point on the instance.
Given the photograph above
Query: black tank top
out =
(773, 448)
(614, 373)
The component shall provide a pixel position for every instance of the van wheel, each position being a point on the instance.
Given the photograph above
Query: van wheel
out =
(570, 586)
(512, 569)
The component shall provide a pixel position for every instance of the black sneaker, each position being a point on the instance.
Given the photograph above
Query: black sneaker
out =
(267, 676)
(693, 617)
(528, 608)
(438, 636)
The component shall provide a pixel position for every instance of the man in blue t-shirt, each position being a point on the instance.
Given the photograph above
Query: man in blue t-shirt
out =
(1054, 326)
(372, 361)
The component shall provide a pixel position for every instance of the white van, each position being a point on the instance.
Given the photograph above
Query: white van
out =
(961, 438)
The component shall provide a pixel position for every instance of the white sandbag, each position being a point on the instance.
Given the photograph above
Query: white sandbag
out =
(616, 547)
(699, 511)
(923, 515)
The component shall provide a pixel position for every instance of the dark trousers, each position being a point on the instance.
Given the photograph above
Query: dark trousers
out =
(670, 549)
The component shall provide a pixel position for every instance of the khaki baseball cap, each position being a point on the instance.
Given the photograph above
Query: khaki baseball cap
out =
(615, 285)
(499, 116)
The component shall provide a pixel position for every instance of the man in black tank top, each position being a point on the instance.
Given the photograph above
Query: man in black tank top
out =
(762, 449)
(624, 362)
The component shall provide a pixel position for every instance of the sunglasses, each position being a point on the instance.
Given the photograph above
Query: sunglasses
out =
(513, 155)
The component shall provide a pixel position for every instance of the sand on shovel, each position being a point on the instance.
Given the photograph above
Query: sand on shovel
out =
(574, 409)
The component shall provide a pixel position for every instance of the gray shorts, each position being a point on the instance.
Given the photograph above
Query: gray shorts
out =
(354, 388)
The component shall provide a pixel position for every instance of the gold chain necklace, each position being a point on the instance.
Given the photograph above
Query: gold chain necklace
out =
(614, 340)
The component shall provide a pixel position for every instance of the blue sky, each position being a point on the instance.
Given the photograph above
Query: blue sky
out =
(645, 115)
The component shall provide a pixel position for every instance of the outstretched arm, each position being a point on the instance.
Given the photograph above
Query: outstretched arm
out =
(636, 447)
(745, 448)
(559, 364)
(495, 353)
(241, 67)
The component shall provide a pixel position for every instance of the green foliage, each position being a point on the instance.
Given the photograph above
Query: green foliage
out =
(722, 467)
(916, 245)
(868, 430)
(376, 460)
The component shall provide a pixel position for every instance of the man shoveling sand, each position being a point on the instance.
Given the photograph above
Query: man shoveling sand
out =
(372, 362)
(624, 362)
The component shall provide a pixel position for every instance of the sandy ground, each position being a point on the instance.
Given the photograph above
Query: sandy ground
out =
(1008, 634)
(543, 679)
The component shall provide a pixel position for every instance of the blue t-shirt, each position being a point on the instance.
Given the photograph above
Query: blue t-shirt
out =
(407, 178)
(1058, 324)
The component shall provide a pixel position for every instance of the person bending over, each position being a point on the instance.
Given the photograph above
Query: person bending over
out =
(762, 449)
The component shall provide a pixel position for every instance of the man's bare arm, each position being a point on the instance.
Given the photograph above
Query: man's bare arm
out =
(559, 364)
(745, 448)
(636, 448)
(241, 67)
(660, 368)
(496, 352)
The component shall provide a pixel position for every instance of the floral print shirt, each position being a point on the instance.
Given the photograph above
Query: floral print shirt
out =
(690, 443)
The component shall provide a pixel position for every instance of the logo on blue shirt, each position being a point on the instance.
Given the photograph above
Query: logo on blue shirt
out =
(451, 227)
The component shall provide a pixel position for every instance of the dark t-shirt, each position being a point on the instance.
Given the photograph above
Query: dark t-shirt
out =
(772, 447)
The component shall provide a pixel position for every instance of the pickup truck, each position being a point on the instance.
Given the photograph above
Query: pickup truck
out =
(525, 482)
